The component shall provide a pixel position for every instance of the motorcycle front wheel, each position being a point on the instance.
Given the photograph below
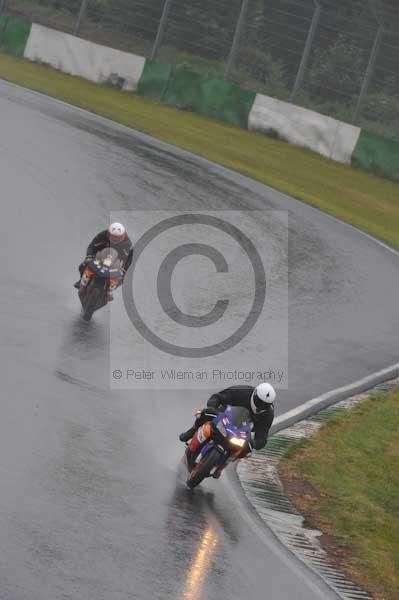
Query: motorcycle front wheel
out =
(91, 303)
(204, 468)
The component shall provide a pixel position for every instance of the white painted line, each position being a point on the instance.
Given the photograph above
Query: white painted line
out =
(320, 402)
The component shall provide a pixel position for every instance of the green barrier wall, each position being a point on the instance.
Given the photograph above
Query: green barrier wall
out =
(155, 79)
(208, 96)
(14, 34)
(377, 154)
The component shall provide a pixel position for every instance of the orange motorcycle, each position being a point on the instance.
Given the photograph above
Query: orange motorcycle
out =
(102, 276)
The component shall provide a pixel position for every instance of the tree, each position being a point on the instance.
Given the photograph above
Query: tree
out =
(337, 72)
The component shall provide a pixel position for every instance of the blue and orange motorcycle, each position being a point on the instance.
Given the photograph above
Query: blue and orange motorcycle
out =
(224, 439)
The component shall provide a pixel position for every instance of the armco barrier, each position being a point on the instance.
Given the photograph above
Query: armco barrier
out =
(303, 127)
(85, 59)
(14, 34)
(377, 155)
(209, 96)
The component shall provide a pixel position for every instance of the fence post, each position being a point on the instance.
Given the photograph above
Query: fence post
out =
(3, 7)
(236, 39)
(306, 53)
(82, 12)
(368, 75)
(161, 29)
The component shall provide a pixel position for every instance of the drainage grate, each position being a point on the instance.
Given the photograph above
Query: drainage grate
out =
(262, 486)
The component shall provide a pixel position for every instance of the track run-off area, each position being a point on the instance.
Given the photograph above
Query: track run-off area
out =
(91, 503)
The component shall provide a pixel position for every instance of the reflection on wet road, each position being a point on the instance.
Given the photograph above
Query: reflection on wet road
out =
(199, 567)
(91, 503)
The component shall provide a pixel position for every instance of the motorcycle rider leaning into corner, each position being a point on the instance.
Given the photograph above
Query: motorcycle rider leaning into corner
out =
(259, 401)
(115, 237)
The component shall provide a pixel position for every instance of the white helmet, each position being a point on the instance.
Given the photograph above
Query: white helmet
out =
(262, 396)
(116, 233)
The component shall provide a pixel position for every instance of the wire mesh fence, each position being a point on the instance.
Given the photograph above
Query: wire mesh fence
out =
(339, 57)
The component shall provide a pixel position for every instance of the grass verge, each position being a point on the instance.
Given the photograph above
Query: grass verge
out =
(366, 201)
(345, 479)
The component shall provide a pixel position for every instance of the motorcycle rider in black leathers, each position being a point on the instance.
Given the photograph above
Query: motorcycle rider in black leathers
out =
(258, 401)
(115, 237)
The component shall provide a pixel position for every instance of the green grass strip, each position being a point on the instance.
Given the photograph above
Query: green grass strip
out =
(353, 465)
(361, 199)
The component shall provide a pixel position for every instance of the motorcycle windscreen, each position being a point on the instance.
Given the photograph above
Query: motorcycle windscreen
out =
(109, 257)
(239, 415)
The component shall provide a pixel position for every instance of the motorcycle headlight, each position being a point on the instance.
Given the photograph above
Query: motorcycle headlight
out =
(221, 428)
(235, 441)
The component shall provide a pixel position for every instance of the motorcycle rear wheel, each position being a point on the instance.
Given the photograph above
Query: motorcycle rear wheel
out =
(204, 468)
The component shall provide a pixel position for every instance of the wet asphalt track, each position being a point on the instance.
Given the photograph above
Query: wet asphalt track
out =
(89, 507)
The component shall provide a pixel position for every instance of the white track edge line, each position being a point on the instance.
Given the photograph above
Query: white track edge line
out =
(332, 397)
